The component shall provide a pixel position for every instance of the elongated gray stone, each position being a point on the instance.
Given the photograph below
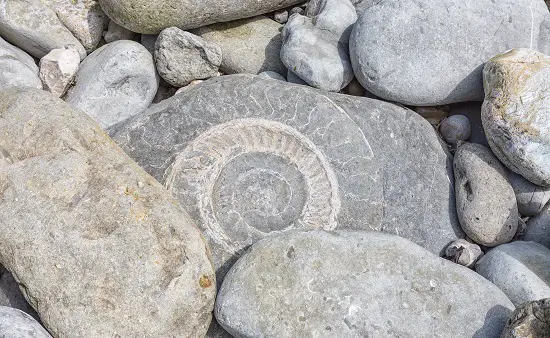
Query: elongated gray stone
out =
(355, 284)
(15, 323)
(17, 68)
(98, 246)
(248, 156)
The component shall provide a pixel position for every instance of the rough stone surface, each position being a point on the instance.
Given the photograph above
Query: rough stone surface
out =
(115, 32)
(281, 16)
(531, 198)
(152, 16)
(538, 227)
(485, 201)
(355, 284)
(463, 252)
(520, 269)
(10, 294)
(530, 320)
(34, 27)
(516, 112)
(455, 128)
(397, 45)
(272, 75)
(15, 323)
(115, 82)
(182, 57)
(58, 69)
(18, 68)
(248, 46)
(248, 156)
(88, 226)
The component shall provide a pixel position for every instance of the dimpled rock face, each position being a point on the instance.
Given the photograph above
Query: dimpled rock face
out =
(152, 16)
(355, 284)
(530, 320)
(397, 54)
(99, 248)
(18, 68)
(17, 324)
(248, 156)
(516, 112)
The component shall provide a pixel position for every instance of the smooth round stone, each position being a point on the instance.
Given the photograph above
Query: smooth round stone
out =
(530, 320)
(18, 68)
(281, 16)
(520, 269)
(472, 110)
(485, 201)
(538, 227)
(355, 284)
(516, 112)
(531, 198)
(15, 323)
(455, 128)
(271, 75)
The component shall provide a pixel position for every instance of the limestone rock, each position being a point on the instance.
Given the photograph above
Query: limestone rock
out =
(463, 252)
(248, 46)
(58, 69)
(531, 198)
(520, 269)
(34, 27)
(15, 323)
(516, 112)
(455, 128)
(530, 320)
(99, 247)
(18, 68)
(152, 16)
(397, 45)
(115, 82)
(538, 227)
(247, 156)
(116, 32)
(355, 284)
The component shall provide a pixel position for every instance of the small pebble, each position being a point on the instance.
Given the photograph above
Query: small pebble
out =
(58, 69)
(455, 128)
(281, 16)
(463, 252)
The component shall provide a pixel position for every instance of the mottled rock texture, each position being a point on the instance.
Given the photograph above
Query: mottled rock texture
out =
(530, 320)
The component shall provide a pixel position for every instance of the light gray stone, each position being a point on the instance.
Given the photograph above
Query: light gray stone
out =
(530, 320)
(248, 156)
(520, 269)
(485, 200)
(281, 16)
(58, 69)
(516, 112)
(152, 16)
(271, 75)
(427, 53)
(15, 323)
(531, 198)
(248, 46)
(293, 78)
(98, 246)
(455, 128)
(10, 294)
(116, 32)
(34, 27)
(355, 284)
(18, 68)
(538, 227)
(463, 252)
(182, 57)
(115, 82)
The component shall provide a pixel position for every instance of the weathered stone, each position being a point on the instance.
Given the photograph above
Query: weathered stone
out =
(455, 128)
(34, 27)
(538, 227)
(485, 201)
(182, 57)
(58, 69)
(355, 284)
(531, 198)
(152, 16)
(520, 269)
(248, 156)
(10, 294)
(248, 46)
(115, 82)
(18, 68)
(472, 110)
(463, 252)
(396, 46)
(98, 246)
(116, 32)
(530, 320)
(516, 112)
(272, 75)
(281, 16)
(15, 323)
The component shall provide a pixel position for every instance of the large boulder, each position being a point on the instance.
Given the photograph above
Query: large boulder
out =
(425, 53)
(98, 246)
(152, 16)
(18, 68)
(248, 156)
(516, 112)
(355, 284)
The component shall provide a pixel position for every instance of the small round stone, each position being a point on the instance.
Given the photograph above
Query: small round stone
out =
(281, 16)
(455, 128)
(463, 252)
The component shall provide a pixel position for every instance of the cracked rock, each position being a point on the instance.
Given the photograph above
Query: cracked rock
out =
(58, 69)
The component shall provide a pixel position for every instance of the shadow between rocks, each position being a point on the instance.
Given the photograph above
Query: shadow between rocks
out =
(495, 321)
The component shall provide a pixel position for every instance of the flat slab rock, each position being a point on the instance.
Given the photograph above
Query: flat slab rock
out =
(355, 284)
(248, 156)
(99, 248)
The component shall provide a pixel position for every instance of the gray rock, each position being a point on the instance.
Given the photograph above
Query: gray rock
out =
(115, 82)
(271, 75)
(293, 78)
(281, 16)
(354, 88)
(116, 32)
(298, 158)
(58, 69)
(531, 198)
(98, 246)
(355, 284)
(538, 227)
(296, 10)
(248, 46)
(520, 269)
(152, 16)
(182, 57)
(148, 41)
(15, 323)
(34, 27)
(455, 128)
(485, 201)
(516, 112)
(434, 115)
(316, 47)
(472, 110)
(530, 320)
(10, 294)
(396, 45)
(216, 331)
(18, 68)
(463, 252)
